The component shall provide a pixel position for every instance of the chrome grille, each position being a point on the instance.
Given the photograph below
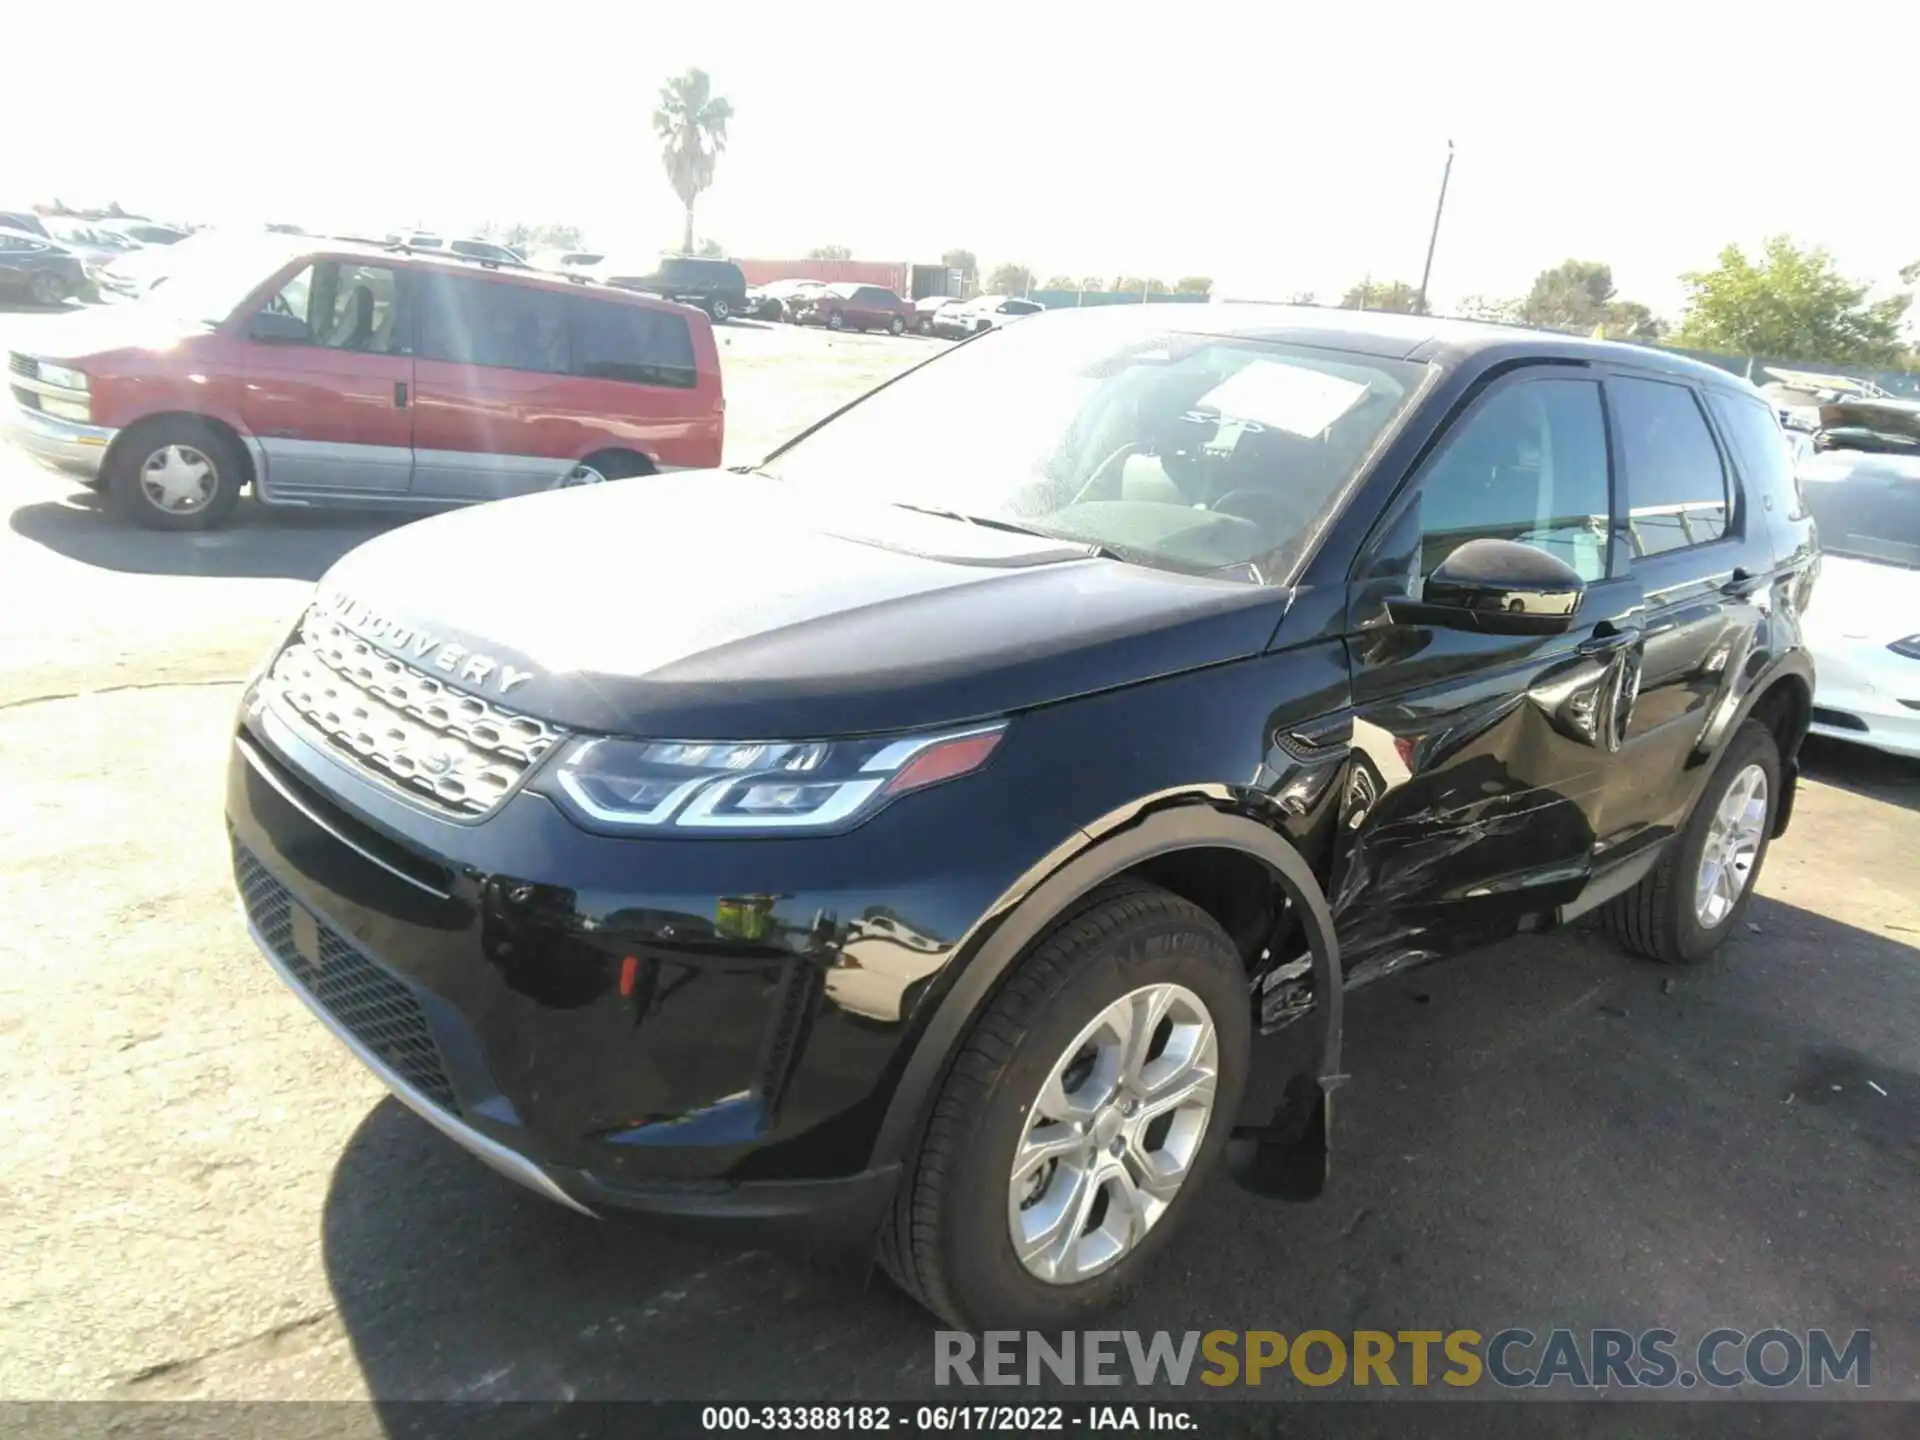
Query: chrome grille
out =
(373, 1006)
(404, 725)
(23, 365)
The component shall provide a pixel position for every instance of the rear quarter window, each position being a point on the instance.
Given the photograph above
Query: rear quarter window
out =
(633, 344)
(1762, 451)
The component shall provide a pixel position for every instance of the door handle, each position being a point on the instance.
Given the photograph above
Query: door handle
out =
(1740, 582)
(399, 394)
(1610, 639)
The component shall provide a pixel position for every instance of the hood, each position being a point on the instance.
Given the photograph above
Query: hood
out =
(709, 605)
(78, 334)
(1862, 602)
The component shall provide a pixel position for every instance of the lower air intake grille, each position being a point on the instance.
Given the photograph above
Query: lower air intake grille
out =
(367, 1002)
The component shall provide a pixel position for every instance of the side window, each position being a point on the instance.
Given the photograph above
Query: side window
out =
(1529, 465)
(1676, 485)
(472, 321)
(344, 307)
(631, 343)
(1763, 449)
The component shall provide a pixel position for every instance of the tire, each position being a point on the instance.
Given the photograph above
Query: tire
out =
(1660, 918)
(897, 326)
(719, 309)
(602, 467)
(836, 321)
(947, 1239)
(46, 288)
(129, 466)
(924, 325)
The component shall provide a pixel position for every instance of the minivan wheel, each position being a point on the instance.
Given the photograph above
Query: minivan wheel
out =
(176, 474)
(1695, 896)
(718, 308)
(1088, 1106)
(598, 469)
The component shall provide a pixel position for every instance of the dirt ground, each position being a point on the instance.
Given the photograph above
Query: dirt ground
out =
(202, 1195)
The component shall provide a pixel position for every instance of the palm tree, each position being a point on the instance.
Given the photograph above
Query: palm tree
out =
(692, 125)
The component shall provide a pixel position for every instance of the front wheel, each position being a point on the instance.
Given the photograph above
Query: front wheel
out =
(176, 474)
(1695, 896)
(1086, 1110)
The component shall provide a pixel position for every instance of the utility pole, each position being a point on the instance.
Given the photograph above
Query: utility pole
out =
(1434, 238)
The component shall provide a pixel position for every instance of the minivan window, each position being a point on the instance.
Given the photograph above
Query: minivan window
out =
(1676, 484)
(344, 306)
(1529, 465)
(474, 321)
(633, 343)
(1191, 452)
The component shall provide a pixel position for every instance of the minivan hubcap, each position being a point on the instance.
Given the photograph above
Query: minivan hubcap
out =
(1113, 1133)
(178, 479)
(1733, 845)
(582, 474)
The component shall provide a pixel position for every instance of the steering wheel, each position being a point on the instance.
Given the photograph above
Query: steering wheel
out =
(1263, 507)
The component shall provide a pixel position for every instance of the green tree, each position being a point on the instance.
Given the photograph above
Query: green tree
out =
(712, 248)
(1193, 285)
(1486, 307)
(1574, 295)
(1061, 282)
(1792, 304)
(830, 252)
(1136, 285)
(1010, 279)
(524, 237)
(1395, 295)
(691, 122)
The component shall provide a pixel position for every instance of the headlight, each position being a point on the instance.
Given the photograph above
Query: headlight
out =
(62, 376)
(1909, 647)
(775, 785)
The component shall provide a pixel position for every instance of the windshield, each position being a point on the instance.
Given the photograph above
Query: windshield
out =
(206, 277)
(1866, 507)
(1192, 452)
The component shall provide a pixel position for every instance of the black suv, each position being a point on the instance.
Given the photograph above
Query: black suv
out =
(716, 286)
(956, 834)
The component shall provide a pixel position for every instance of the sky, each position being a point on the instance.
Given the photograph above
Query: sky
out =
(1276, 147)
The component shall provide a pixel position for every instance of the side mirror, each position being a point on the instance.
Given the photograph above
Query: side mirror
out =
(270, 327)
(1496, 587)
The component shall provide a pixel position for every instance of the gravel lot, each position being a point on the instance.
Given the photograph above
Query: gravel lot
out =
(204, 1196)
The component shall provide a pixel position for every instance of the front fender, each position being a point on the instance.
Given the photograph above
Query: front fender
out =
(1121, 841)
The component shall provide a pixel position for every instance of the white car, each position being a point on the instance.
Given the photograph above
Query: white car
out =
(989, 312)
(1863, 623)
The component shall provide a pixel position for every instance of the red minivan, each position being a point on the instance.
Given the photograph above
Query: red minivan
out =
(351, 375)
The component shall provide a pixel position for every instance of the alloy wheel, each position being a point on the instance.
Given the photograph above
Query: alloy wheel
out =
(1113, 1133)
(1732, 847)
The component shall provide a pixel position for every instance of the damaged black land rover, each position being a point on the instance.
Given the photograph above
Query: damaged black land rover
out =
(956, 834)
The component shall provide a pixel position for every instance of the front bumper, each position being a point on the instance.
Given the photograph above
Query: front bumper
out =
(64, 444)
(571, 1009)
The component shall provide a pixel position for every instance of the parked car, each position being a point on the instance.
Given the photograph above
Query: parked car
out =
(24, 221)
(775, 300)
(925, 310)
(96, 244)
(565, 259)
(148, 232)
(323, 374)
(853, 307)
(985, 313)
(715, 286)
(36, 268)
(1864, 624)
(1162, 676)
(487, 252)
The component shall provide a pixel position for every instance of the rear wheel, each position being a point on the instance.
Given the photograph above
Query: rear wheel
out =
(176, 474)
(1083, 1114)
(1696, 895)
(897, 326)
(598, 469)
(718, 307)
(46, 288)
(836, 321)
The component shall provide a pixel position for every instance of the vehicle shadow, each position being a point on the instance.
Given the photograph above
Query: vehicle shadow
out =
(256, 544)
(1874, 774)
(1543, 1134)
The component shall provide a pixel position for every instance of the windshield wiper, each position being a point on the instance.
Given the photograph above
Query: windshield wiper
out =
(1014, 527)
